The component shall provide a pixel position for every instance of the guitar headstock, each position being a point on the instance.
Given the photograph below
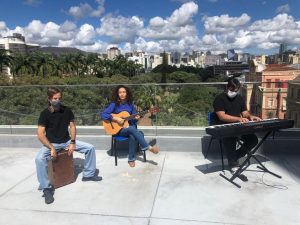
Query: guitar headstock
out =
(154, 109)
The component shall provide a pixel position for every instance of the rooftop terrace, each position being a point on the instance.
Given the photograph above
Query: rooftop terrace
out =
(177, 186)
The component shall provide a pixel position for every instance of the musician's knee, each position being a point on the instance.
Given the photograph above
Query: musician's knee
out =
(250, 140)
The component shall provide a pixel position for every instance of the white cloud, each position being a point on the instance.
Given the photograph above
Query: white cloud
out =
(86, 35)
(177, 26)
(283, 9)
(2, 25)
(97, 46)
(281, 21)
(120, 29)
(184, 14)
(225, 23)
(67, 26)
(85, 10)
(80, 11)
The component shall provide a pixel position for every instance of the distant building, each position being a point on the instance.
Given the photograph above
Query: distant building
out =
(282, 48)
(261, 59)
(175, 57)
(231, 56)
(211, 60)
(113, 52)
(293, 101)
(16, 44)
(267, 98)
(231, 67)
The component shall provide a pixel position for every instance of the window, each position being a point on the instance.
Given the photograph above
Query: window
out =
(292, 92)
(277, 83)
(298, 94)
(283, 105)
(270, 102)
(269, 83)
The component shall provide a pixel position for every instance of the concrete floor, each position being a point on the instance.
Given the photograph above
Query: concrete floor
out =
(172, 188)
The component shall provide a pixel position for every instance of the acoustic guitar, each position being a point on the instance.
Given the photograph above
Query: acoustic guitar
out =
(112, 127)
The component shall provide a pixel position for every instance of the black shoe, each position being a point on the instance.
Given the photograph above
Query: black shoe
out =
(48, 195)
(243, 177)
(93, 178)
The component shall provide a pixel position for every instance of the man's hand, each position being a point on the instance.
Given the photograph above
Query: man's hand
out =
(53, 153)
(243, 120)
(255, 118)
(137, 117)
(71, 148)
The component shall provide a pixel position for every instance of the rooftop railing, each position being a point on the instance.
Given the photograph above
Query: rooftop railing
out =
(180, 104)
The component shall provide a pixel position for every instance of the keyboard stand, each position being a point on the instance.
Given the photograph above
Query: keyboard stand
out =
(246, 163)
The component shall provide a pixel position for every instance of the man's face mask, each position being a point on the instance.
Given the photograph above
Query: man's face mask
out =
(232, 94)
(55, 103)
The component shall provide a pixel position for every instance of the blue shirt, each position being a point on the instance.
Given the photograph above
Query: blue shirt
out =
(113, 108)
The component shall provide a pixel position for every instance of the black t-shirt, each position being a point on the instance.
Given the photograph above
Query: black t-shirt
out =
(231, 106)
(57, 124)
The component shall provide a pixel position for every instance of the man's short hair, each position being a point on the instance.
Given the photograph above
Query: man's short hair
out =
(52, 91)
(233, 84)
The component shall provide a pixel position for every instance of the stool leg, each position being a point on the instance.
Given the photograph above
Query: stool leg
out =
(115, 152)
(112, 147)
(144, 155)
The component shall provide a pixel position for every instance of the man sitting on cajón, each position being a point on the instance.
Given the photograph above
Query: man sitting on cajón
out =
(53, 132)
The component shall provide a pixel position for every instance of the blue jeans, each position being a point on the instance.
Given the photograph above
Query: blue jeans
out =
(135, 137)
(41, 161)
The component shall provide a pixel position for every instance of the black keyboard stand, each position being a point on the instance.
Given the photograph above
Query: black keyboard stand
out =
(246, 163)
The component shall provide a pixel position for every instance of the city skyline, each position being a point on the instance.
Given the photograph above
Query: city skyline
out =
(257, 26)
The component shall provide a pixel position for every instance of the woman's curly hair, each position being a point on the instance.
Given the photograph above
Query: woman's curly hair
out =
(115, 95)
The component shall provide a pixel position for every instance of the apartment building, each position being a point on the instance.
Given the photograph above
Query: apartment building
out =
(267, 97)
(293, 101)
(113, 52)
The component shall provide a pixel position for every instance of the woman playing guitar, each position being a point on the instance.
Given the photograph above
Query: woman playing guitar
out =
(122, 102)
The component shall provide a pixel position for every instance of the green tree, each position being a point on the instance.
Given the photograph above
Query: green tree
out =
(5, 59)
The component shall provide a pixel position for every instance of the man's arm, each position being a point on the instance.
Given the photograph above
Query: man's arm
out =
(72, 146)
(42, 137)
(230, 119)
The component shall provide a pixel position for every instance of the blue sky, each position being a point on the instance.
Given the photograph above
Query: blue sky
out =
(255, 26)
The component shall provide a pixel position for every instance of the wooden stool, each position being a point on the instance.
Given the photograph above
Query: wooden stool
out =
(61, 170)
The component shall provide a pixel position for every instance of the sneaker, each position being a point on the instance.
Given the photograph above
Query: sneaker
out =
(48, 195)
(243, 177)
(93, 178)
(131, 163)
(154, 149)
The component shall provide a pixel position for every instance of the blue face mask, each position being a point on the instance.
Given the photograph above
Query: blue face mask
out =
(55, 103)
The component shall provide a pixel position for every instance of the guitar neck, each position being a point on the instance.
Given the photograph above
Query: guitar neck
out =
(134, 115)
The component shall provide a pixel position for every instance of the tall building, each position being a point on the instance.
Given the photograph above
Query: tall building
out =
(231, 55)
(267, 98)
(16, 44)
(293, 101)
(175, 57)
(282, 48)
(113, 52)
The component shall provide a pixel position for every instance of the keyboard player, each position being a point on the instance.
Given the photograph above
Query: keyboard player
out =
(230, 107)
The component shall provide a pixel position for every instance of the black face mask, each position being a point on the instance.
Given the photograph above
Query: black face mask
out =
(55, 104)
